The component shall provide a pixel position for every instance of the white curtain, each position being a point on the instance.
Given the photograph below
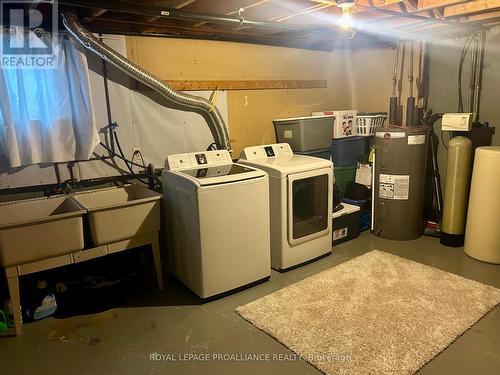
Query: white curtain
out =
(46, 115)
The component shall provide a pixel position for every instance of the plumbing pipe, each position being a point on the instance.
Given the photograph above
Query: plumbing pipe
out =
(393, 101)
(410, 102)
(479, 79)
(472, 75)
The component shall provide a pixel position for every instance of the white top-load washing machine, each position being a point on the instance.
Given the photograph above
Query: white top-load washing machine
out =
(217, 218)
(301, 194)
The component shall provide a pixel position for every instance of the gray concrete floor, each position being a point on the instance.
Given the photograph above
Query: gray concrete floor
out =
(120, 341)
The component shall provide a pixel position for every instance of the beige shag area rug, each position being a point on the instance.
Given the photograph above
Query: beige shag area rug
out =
(374, 314)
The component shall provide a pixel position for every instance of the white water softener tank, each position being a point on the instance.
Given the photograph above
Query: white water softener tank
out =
(400, 155)
(482, 233)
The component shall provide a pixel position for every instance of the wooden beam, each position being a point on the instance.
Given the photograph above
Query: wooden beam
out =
(471, 7)
(184, 4)
(481, 17)
(384, 3)
(99, 12)
(304, 11)
(424, 5)
(247, 7)
(181, 5)
(246, 84)
(233, 12)
(95, 14)
(295, 12)
(411, 5)
(438, 12)
(184, 30)
(329, 2)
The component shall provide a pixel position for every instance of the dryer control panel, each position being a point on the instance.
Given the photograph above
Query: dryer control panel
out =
(266, 151)
(198, 159)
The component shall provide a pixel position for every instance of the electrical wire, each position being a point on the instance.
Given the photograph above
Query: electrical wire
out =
(443, 142)
(142, 157)
(157, 182)
(129, 163)
(155, 179)
(114, 154)
(463, 55)
(430, 119)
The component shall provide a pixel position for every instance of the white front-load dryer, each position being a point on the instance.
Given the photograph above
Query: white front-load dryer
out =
(301, 194)
(217, 219)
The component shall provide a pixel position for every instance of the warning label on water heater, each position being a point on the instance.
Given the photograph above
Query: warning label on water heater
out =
(393, 186)
(416, 139)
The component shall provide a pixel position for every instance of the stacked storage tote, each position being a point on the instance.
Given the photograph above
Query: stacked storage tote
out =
(306, 135)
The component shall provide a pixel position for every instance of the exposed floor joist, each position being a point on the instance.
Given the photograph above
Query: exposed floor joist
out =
(311, 24)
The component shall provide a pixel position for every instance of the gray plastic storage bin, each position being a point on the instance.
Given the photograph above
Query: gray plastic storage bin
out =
(323, 153)
(305, 133)
(346, 151)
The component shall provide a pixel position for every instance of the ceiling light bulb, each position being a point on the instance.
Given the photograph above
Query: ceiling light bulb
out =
(346, 20)
(345, 3)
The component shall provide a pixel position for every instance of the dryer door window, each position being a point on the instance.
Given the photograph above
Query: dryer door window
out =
(308, 206)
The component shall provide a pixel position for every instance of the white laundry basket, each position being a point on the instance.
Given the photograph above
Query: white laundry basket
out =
(368, 122)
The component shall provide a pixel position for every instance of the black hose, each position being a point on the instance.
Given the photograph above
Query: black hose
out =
(120, 150)
(129, 163)
(212, 147)
(118, 156)
(463, 55)
(460, 69)
(112, 153)
(393, 110)
(410, 111)
(480, 76)
(436, 178)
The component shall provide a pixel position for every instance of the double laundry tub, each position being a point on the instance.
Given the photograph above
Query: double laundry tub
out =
(43, 233)
(41, 228)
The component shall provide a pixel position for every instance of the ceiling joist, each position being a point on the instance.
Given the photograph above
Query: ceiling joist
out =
(471, 7)
(302, 23)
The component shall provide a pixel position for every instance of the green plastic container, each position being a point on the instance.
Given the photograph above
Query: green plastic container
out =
(3, 321)
(343, 175)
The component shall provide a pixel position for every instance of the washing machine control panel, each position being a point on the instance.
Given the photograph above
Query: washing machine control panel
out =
(198, 159)
(266, 151)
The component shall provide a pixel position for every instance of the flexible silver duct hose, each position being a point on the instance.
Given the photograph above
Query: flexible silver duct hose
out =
(182, 101)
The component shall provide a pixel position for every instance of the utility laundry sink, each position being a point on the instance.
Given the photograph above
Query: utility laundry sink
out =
(40, 228)
(120, 213)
